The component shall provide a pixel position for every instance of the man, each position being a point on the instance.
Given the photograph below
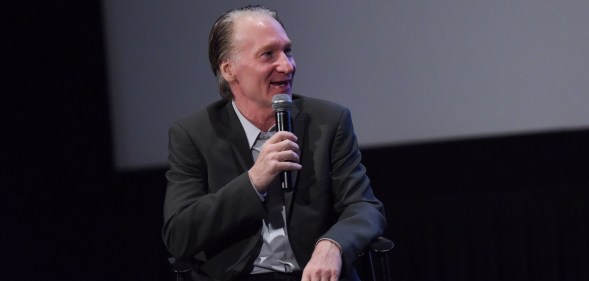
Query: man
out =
(225, 161)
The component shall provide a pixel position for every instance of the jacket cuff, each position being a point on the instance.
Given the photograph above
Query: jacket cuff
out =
(332, 241)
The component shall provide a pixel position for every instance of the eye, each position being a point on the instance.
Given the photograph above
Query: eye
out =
(267, 54)
(288, 52)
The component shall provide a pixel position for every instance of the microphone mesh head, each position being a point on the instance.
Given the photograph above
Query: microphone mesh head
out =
(281, 102)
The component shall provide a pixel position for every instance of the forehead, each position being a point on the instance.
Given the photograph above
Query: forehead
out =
(257, 31)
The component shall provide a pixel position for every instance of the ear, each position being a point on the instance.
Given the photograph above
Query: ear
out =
(227, 70)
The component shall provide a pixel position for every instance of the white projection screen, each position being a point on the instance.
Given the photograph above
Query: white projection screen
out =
(410, 71)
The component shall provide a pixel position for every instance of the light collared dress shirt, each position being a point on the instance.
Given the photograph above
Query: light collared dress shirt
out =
(276, 254)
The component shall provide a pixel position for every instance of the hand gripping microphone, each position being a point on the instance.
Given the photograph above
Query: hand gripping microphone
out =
(281, 103)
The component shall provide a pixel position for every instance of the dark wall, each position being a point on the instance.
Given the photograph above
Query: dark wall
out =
(60, 197)
(510, 208)
(505, 208)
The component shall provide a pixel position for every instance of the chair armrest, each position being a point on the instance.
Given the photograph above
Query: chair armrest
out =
(181, 266)
(378, 258)
(381, 245)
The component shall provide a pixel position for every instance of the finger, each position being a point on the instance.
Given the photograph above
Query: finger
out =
(308, 276)
(287, 156)
(276, 150)
(288, 166)
(282, 135)
(289, 145)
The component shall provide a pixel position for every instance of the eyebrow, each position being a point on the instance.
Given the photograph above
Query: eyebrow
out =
(274, 44)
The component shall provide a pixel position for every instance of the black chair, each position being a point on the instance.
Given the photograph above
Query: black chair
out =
(372, 265)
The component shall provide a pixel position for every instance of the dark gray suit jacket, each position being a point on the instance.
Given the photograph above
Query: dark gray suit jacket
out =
(211, 210)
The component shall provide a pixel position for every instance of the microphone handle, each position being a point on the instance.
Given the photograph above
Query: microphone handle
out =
(283, 123)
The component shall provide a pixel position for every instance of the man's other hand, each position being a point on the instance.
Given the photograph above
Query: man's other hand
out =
(325, 263)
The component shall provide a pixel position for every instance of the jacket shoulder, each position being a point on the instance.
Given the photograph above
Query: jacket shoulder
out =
(309, 104)
(203, 118)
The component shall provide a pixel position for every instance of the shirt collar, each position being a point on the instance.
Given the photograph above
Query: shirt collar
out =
(251, 131)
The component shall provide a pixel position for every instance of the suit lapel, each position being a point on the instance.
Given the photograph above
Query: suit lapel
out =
(226, 121)
(227, 128)
(299, 131)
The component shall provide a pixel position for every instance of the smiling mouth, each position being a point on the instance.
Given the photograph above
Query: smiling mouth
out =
(280, 83)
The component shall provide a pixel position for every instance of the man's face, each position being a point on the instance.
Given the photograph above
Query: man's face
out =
(262, 65)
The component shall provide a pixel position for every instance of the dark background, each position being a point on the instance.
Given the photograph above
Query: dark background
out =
(501, 208)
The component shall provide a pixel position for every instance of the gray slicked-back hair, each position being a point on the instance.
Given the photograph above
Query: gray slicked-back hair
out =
(221, 40)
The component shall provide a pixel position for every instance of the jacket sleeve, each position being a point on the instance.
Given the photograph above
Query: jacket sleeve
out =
(361, 215)
(195, 218)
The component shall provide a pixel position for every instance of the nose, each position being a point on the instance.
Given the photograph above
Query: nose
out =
(285, 64)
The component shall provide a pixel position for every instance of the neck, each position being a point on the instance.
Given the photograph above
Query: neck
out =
(262, 117)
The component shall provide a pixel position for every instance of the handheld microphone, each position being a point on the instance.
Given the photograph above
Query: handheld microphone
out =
(281, 103)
